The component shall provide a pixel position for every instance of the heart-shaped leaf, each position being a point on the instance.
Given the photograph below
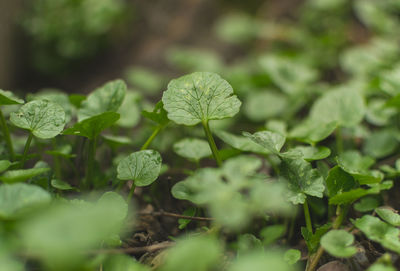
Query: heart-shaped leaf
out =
(93, 126)
(338, 243)
(200, 96)
(192, 148)
(273, 142)
(43, 118)
(143, 167)
(15, 198)
(108, 97)
(8, 98)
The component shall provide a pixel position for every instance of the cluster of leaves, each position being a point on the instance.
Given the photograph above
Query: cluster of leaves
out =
(289, 136)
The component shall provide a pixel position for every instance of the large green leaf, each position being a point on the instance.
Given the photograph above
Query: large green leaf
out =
(339, 243)
(43, 118)
(200, 96)
(21, 175)
(381, 143)
(312, 131)
(93, 126)
(143, 167)
(108, 97)
(343, 105)
(19, 197)
(192, 148)
(390, 216)
(273, 142)
(303, 179)
(7, 98)
(379, 231)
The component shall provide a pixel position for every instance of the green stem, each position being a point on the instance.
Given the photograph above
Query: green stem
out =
(130, 195)
(211, 142)
(6, 134)
(150, 139)
(26, 149)
(341, 212)
(90, 162)
(339, 140)
(56, 160)
(307, 216)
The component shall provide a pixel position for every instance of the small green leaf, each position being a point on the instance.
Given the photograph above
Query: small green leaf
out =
(272, 233)
(129, 110)
(8, 98)
(200, 96)
(390, 216)
(158, 115)
(260, 106)
(61, 185)
(292, 256)
(21, 175)
(312, 131)
(302, 178)
(338, 243)
(313, 240)
(192, 148)
(379, 231)
(43, 118)
(366, 204)
(183, 222)
(93, 126)
(19, 197)
(309, 153)
(273, 142)
(55, 96)
(145, 79)
(339, 181)
(108, 97)
(239, 142)
(123, 262)
(4, 164)
(143, 167)
(268, 260)
(381, 143)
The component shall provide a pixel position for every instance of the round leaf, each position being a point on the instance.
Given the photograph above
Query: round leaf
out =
(143, 167)
(338, 243)
(200, 96)
(43, 118)
(192, 148)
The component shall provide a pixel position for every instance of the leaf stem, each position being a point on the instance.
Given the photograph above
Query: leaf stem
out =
(90, 162)
(130, 195)
(6, 134)
(211, 142)
(150, 139)
(341, 212)
(56, 160)
(307, 216)
(26, 149)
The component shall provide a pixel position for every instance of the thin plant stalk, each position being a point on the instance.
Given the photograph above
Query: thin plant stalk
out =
(6, 134)
(26, 149)
(151, 138)
(90, 162)
(130, 195)
(307, 216)
(56, 160)
(211, 142)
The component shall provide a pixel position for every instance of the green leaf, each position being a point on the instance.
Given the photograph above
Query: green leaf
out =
(338, 243)
(257, 261)
(43, 118)
(239, 142)
(309, 153)
(303, 180)
(93, 126)
(76, 99)
(272, 233)
(8, 98)
(200, 96)
(353, 195)
(20, 197)
(192, 148)
(260, 106)
(122, 262)
(390, 216)
(4, 164)
(158, 115)
(273, 142)
(143, 167)
(313, 240)
(61, 185)
(108, 97)
(312, 131)
(343, 105)
(145, 79)
(381, 143)
(21, 175)
(202, 252)
(129, 110)
(366, 204)
(378, 113)
(193, 59)
(183, 222)
(358, 166)
(379, 231)
(339, 181)
(381, 267)
(292, 256)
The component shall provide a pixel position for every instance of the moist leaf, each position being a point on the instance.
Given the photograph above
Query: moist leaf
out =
(93, 126)
(143, 167)
(108, 97)
(18, 197)
(200, 96)
(338, 243)
(192, 148)
(43, 118)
